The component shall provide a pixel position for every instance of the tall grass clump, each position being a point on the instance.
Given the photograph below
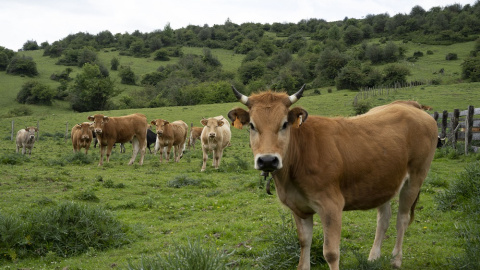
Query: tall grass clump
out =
(13, 159)
(284, 250)
(66, 229)
(464, 196)
(191, 256)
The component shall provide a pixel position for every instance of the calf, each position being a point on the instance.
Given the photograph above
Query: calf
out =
(168, 135)
(110, 130)
(25, 139)
(215, 137)
(151, 138)
(195, 133)
(82, 136)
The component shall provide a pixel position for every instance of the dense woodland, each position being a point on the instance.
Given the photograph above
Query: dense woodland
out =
(280, 56)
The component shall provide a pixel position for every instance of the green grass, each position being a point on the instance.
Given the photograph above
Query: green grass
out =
(171, 204)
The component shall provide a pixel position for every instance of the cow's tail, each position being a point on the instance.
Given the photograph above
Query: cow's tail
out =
(412, 210)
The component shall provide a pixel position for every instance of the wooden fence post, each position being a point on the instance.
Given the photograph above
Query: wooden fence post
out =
(444, 124)
(468, 128)
(13, 127)
(456, 115)
(38, 130)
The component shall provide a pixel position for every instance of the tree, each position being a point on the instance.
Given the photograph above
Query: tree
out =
(22, 66)
(114, 63)
(30, 45)
(33, 92)
(352, 35)
(251, 71)
(349, 77)
(161, 55)
(91, 90)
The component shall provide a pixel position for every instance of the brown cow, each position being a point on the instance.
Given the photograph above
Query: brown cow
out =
(168, 135)
(110, 130)
(26, 139)
(215, 137)
(195, 133)
(329, 165)
(82, 136)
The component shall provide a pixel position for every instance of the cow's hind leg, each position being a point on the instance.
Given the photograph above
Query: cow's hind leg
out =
(407, 200)
(142, 146)
(384, 212)
(136, 147)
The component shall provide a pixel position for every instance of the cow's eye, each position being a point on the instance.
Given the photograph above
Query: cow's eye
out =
(285, 125)
(252, 127)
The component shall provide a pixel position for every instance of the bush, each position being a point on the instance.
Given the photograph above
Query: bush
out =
(114, 63)
(395, 73)
(470, 69)
(362, 107)
(418, 54)
(350, 77)
(66, 229)
(22, 66)
(30, 45)
(161, 55)
(34, 92)
(127, 75)
(19, 111)
(451, 56)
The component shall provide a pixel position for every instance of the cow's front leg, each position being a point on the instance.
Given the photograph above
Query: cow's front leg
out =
(169, 148)
(102, 152)
(109, 151)
(331, 217)
(305, 233)
(205, 158)
(217, 157)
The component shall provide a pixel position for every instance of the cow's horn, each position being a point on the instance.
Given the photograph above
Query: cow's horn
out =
(241, 97)
(295, 97)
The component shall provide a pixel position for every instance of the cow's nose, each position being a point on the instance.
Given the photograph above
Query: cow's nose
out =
(212, 134)
(268, 163)
(98, 131)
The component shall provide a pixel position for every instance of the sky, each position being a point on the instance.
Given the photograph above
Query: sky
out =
(52, 20)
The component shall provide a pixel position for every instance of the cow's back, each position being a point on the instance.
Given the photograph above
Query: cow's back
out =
(21, 137)
(180, 129)
(122, 129)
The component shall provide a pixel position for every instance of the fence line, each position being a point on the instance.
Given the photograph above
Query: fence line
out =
(467, 129)
(368, 92)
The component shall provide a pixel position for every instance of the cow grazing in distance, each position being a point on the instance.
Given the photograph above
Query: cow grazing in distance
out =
(326, 165)
(82, 136)
(110, 130)
(170, 135)
(216, 135)
(195, 133)
(26, 139)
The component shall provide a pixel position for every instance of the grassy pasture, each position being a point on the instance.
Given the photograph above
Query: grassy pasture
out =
(166, 205)
(226, 209)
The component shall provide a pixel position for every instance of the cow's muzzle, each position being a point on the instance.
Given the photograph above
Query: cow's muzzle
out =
(268, 163)
(159, 133)
(98, 131)
(212, 135)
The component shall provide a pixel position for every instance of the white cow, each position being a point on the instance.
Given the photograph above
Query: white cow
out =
(25, 139)
(216, 135)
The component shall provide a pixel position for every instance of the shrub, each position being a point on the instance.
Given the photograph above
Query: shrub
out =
(86, 195)
(350, 77)
(161, 55)
(127, 75)
(22, 66)
(470, 69)
(395, 73)
(66, 229)
(114, 63)
(19, 111)
(30, 45)
(362, 107)
(418, 54)
(34, 92)
(451, 56)
(182, 181)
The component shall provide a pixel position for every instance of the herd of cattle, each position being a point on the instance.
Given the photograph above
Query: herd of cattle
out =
(215, 135)
(320, 165)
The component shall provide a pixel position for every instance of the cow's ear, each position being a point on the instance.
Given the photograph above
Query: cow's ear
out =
(27, 128)
(154, 123)
(239, 117)
(204, 121)
(91, 127)
(220, 123)
(166, 122)
(77, 126)
(297, 116)
(105, 119)
(91, 118)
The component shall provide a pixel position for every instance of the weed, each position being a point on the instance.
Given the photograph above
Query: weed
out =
(284, 251)
(79, 158)
(191, 256)
(182, 181)
(13, 159)
(364, 264)
(86, 195)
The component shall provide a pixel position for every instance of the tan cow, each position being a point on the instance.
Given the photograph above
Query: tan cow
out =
(329, 165)
(168, 135)
(215, 137)
(195, 133)
(26, 139)
(82, 136)
(110, 130)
